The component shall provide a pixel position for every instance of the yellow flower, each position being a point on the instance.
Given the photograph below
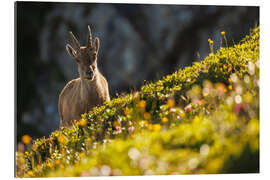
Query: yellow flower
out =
(156, 127)
(143, 123)
(63, 151)
(230, 87)
(210, 41)
(50, 165)
(127, 111)
(164, 120)
(170, 103)
(142, 104)
(61, 139)
(116, 123)
(146, 115)
(30, 173)
(223, 33)
(82, 154)
(182, 114)
(132, 135)
(83, 122)
(57, 161)
(196, 119)
(34, 147)
(26, 139)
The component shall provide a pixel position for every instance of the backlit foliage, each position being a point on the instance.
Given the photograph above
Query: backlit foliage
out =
(200, 119)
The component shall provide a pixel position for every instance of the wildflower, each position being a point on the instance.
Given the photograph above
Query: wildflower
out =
(193, 163)
(238, 89)
(63, 151)
(34, 147)
(147, 115)
(204, 150)
(164, 120)
(197, 102)
(61, 139)
(50, 165)
(134, 153)
(237, 108)
(196, 119)
(142, 104)
(143, 123)
(188, 108)
(26, 139)
(83, 122)
(156, 127)
(221, 89)
(210, 41)
(105, 170)
(30, 173)
(131, 129)
(85, 174)
(82, 154)
(182, 113)
(207, 88)
(116, 123)
(238, 99)
(170, 103)
(251, 68)
(57, 161)
(127, 111)
(234, 78)
(223, 33)
(118, 129)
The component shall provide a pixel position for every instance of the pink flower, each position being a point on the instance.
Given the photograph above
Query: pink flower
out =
(188, 108)
(118, 129)
(197, 101)
(85, 174)
(131, 129)
(237, 108)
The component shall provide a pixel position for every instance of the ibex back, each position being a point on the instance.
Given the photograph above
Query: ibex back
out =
(89, 90)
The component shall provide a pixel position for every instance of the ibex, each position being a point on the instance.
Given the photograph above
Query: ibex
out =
(89, 90)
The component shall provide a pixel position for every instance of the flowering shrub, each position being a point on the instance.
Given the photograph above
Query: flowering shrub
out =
(200, 119)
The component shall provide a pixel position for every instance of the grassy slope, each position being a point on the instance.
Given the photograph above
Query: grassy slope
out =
(202, 119)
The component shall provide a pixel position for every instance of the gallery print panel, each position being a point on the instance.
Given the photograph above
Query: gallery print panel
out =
(110, 89)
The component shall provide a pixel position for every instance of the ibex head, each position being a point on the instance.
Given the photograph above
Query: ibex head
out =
(85, 56)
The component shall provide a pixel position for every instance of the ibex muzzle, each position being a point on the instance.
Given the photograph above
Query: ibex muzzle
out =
(90, 89)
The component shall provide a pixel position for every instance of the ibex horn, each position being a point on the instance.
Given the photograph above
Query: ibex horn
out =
(75, 41)
(89, 40)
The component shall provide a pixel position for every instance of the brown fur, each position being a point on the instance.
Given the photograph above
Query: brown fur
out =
(89, 90)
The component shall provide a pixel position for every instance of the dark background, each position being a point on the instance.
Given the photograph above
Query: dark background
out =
(138, 42)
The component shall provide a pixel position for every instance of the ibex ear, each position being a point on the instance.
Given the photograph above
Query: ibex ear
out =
(96, 43)
(71, 51)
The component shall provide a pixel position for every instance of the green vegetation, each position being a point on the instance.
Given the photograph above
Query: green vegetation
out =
(200, 119)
